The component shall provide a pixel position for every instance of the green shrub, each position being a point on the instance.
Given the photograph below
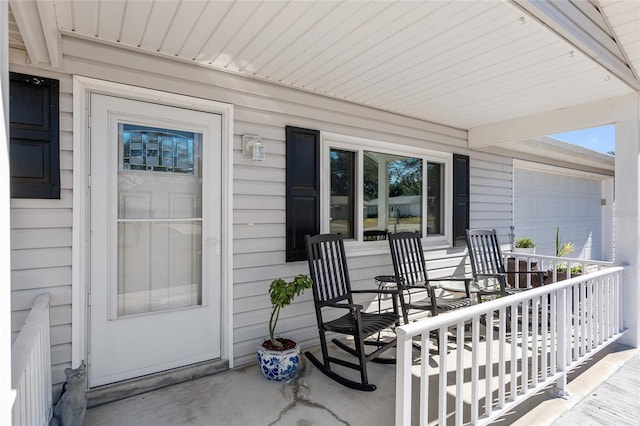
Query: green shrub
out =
(524, 242)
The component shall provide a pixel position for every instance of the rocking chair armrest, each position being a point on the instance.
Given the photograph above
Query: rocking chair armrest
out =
(497, 274)
(349, 306)
(467, 283)
(378, 291)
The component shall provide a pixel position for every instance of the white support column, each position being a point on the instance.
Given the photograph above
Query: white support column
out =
(6, 394)
(627, 219)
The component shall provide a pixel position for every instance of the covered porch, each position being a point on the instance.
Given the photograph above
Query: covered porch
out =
(429, 81)
(243, 396)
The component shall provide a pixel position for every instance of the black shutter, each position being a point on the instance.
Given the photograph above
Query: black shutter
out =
(460, 199)
(303, 189)
(34, 137)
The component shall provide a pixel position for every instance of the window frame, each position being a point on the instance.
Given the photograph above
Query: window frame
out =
(358, 145)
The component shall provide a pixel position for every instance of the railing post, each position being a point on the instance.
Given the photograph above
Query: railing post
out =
(564, 346)
(403, 378)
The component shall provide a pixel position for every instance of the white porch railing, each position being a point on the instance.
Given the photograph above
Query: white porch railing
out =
(31, 368)
(555, 268)
(553, 329)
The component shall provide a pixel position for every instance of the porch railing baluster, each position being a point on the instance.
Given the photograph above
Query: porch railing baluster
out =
(31, 367)
(550, 330)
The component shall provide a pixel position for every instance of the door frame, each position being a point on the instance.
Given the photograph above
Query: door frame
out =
(82, 88)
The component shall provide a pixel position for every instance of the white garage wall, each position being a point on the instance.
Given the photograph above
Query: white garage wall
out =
(546, 198)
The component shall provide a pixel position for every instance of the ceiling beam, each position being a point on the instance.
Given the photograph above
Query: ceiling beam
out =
(577, 27)
(36, 21)
(562, 120)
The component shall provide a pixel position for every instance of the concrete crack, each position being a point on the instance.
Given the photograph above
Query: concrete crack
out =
(298, 392)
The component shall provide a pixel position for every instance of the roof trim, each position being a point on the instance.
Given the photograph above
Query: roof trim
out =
(41, 41)
(578, 28)
(593, 114)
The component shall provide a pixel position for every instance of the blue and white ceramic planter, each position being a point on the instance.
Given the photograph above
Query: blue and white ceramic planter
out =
(278, 365)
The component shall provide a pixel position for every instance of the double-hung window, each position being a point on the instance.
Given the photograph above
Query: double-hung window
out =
(371, 187)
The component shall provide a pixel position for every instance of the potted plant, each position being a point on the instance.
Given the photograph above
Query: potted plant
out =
(524, 245)
(278, 356)
(563, 250)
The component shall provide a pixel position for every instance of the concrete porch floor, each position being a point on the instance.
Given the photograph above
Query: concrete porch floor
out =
(243, 397)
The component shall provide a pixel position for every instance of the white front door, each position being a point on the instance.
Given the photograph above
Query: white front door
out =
(155, 204)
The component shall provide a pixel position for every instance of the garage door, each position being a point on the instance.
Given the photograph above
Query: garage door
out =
(547, 199)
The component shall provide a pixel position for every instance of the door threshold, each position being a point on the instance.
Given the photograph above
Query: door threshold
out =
(126, 388)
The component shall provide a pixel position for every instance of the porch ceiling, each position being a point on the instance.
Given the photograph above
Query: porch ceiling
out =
(463, 64)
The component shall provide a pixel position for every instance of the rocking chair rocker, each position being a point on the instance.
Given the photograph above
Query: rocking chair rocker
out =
(332, 289)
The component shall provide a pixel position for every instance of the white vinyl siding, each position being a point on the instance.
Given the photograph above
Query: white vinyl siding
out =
(258, 189)
(491, 194)
(41, 235)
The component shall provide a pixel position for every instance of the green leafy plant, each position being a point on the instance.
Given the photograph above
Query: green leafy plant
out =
(282, 294)
(563, 249)
(524, 242)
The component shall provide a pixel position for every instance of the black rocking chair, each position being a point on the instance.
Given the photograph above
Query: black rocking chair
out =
(332, 289)
(411, 278)
(487, 265)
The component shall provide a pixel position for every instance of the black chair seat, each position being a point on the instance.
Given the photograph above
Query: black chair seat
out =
(442, 304)
(371, 323)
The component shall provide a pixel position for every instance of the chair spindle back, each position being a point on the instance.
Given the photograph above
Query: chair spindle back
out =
(484, 252)
(328, 268)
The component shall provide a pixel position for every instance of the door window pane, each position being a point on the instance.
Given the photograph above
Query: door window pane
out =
(159, 219)
(153, 149)
(342, 196)
(159, 266)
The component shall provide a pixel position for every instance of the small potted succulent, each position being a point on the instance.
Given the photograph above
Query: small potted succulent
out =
(278, 356)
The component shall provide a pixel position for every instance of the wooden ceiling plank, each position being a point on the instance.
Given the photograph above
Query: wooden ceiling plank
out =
(400, 45)
(452, 58)
(64, 14)
(278, 52)
(85, 15)
(379, 31)
(207, 24)
(328, 31)
(424, 57)
(263, 48)
(360, 39)
(474, 70)
(231, 24)
(134, 22)
(161, 17)
(111, 20)
(252, 29)
(187, 18)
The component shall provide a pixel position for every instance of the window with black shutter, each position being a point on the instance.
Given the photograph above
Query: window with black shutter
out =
(460, 199)
(34, 136)
(303, 189)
